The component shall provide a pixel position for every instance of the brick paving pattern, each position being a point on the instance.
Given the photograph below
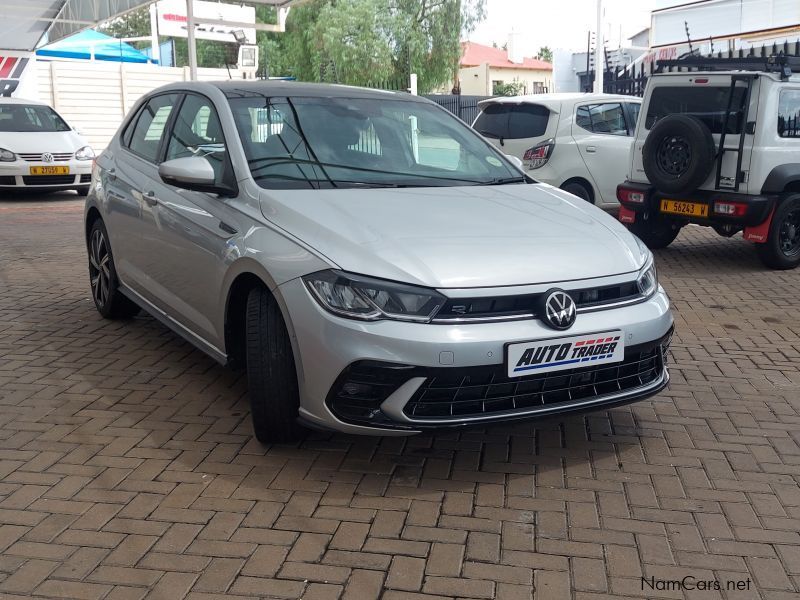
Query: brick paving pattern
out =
(128, 470)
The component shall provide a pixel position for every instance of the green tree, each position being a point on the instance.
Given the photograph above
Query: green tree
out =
(364, 42)
(545, 53)
(515, 88)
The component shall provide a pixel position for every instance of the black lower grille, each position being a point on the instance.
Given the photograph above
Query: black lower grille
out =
(8, 180)
(86, 178)
(363, 386)
(48, 179)
(482, 391)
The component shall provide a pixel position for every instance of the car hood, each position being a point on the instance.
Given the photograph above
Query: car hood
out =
(457, 237)
(41, 141)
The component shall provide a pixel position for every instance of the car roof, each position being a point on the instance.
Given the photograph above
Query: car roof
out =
(795, 77)
(234, 89)
(556, 98)
(6, 100)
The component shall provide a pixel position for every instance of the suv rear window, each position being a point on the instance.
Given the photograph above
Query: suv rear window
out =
(513, 121)
(706, 103)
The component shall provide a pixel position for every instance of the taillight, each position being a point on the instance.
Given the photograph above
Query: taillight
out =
(731, 209)
(539, 155)
(632, 196)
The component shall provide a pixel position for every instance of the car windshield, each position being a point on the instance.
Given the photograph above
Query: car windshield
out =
(302, 143)
(30, 118)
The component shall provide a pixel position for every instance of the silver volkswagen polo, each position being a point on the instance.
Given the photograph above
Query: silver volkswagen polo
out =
(371, 261)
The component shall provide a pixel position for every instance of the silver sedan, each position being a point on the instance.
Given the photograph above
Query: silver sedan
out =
(372, 262)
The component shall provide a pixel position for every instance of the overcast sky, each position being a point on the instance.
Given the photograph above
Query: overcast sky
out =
(559, 23)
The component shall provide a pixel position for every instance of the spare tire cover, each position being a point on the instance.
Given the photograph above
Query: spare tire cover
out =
(678, 154)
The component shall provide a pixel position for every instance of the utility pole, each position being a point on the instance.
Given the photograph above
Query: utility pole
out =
(192, 44)
(155, 49)
(598, 50)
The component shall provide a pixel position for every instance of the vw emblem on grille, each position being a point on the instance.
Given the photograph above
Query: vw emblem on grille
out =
(47, 157)
(559, 310)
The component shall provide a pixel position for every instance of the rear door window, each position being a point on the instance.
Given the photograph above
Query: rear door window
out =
(606, 118)
(513, 121)
(146, 137)
(789, 114)
(707, 103)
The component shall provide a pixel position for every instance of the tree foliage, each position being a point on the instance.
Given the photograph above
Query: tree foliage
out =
(545, 53)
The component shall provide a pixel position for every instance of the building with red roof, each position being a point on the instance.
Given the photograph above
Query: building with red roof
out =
(483, 69)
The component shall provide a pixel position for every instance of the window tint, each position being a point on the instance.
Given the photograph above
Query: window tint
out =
(527, 121)
(513, 121)
(197, 132)
(493, 121)
(706, 103)
(602, 118)
(789, 114)
(152, 119)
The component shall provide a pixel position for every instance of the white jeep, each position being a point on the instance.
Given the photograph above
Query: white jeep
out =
(717, 143)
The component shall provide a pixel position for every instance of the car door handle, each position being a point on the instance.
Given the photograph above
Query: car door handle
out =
(150, 198)
(112, 173)
(591, 149)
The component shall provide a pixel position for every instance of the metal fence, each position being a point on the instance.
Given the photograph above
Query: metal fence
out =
(632, 81)
(464, 107)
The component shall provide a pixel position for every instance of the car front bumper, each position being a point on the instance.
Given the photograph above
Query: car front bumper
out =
(17, 175)
(404, 357)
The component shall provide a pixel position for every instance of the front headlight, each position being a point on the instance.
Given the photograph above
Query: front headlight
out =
(368, 299)
(85, 153)
(7, 155)
(648, 278)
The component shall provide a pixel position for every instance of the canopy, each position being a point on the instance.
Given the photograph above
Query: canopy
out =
(89, 42)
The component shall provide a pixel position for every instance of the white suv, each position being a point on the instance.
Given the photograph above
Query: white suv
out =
(718, 145)
(577, 142)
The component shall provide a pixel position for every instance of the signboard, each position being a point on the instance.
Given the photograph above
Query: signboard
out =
(15, 74)
(172, 20)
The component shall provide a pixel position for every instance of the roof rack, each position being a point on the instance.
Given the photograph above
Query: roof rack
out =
(777, 63)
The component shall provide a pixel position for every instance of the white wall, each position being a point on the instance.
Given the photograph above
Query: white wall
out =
(95, 96)
(719, 18)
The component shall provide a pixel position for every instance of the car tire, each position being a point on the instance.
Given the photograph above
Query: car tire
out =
(271, 374)
(82, 191)
(108, 299)
(654, 232)
(579, 190)
(782, 248)
(678, 154)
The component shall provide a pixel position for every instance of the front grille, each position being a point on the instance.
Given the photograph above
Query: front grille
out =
(37, 156)
(48, 179)
(483, 391)
(524, 306)
(86, 178)
(8, 180)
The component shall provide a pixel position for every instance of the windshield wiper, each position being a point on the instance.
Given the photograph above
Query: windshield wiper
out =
(505, 180)
(280, 160)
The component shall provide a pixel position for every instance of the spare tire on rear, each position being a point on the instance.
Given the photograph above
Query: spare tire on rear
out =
(678, 154)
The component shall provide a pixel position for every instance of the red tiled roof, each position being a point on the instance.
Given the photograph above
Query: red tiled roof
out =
(476, 54)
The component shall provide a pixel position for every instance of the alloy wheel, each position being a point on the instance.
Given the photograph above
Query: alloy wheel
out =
(99, 267)
(789, 235)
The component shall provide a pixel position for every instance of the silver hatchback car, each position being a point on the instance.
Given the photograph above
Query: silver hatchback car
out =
(373, 263)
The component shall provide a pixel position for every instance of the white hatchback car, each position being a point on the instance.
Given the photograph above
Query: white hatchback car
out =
(577, 142)
(40, 151)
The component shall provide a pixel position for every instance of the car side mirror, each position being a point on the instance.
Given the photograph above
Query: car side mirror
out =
(515, 159)
(191, 173)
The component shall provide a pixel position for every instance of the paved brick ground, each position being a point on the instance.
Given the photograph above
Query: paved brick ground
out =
(127, 469)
